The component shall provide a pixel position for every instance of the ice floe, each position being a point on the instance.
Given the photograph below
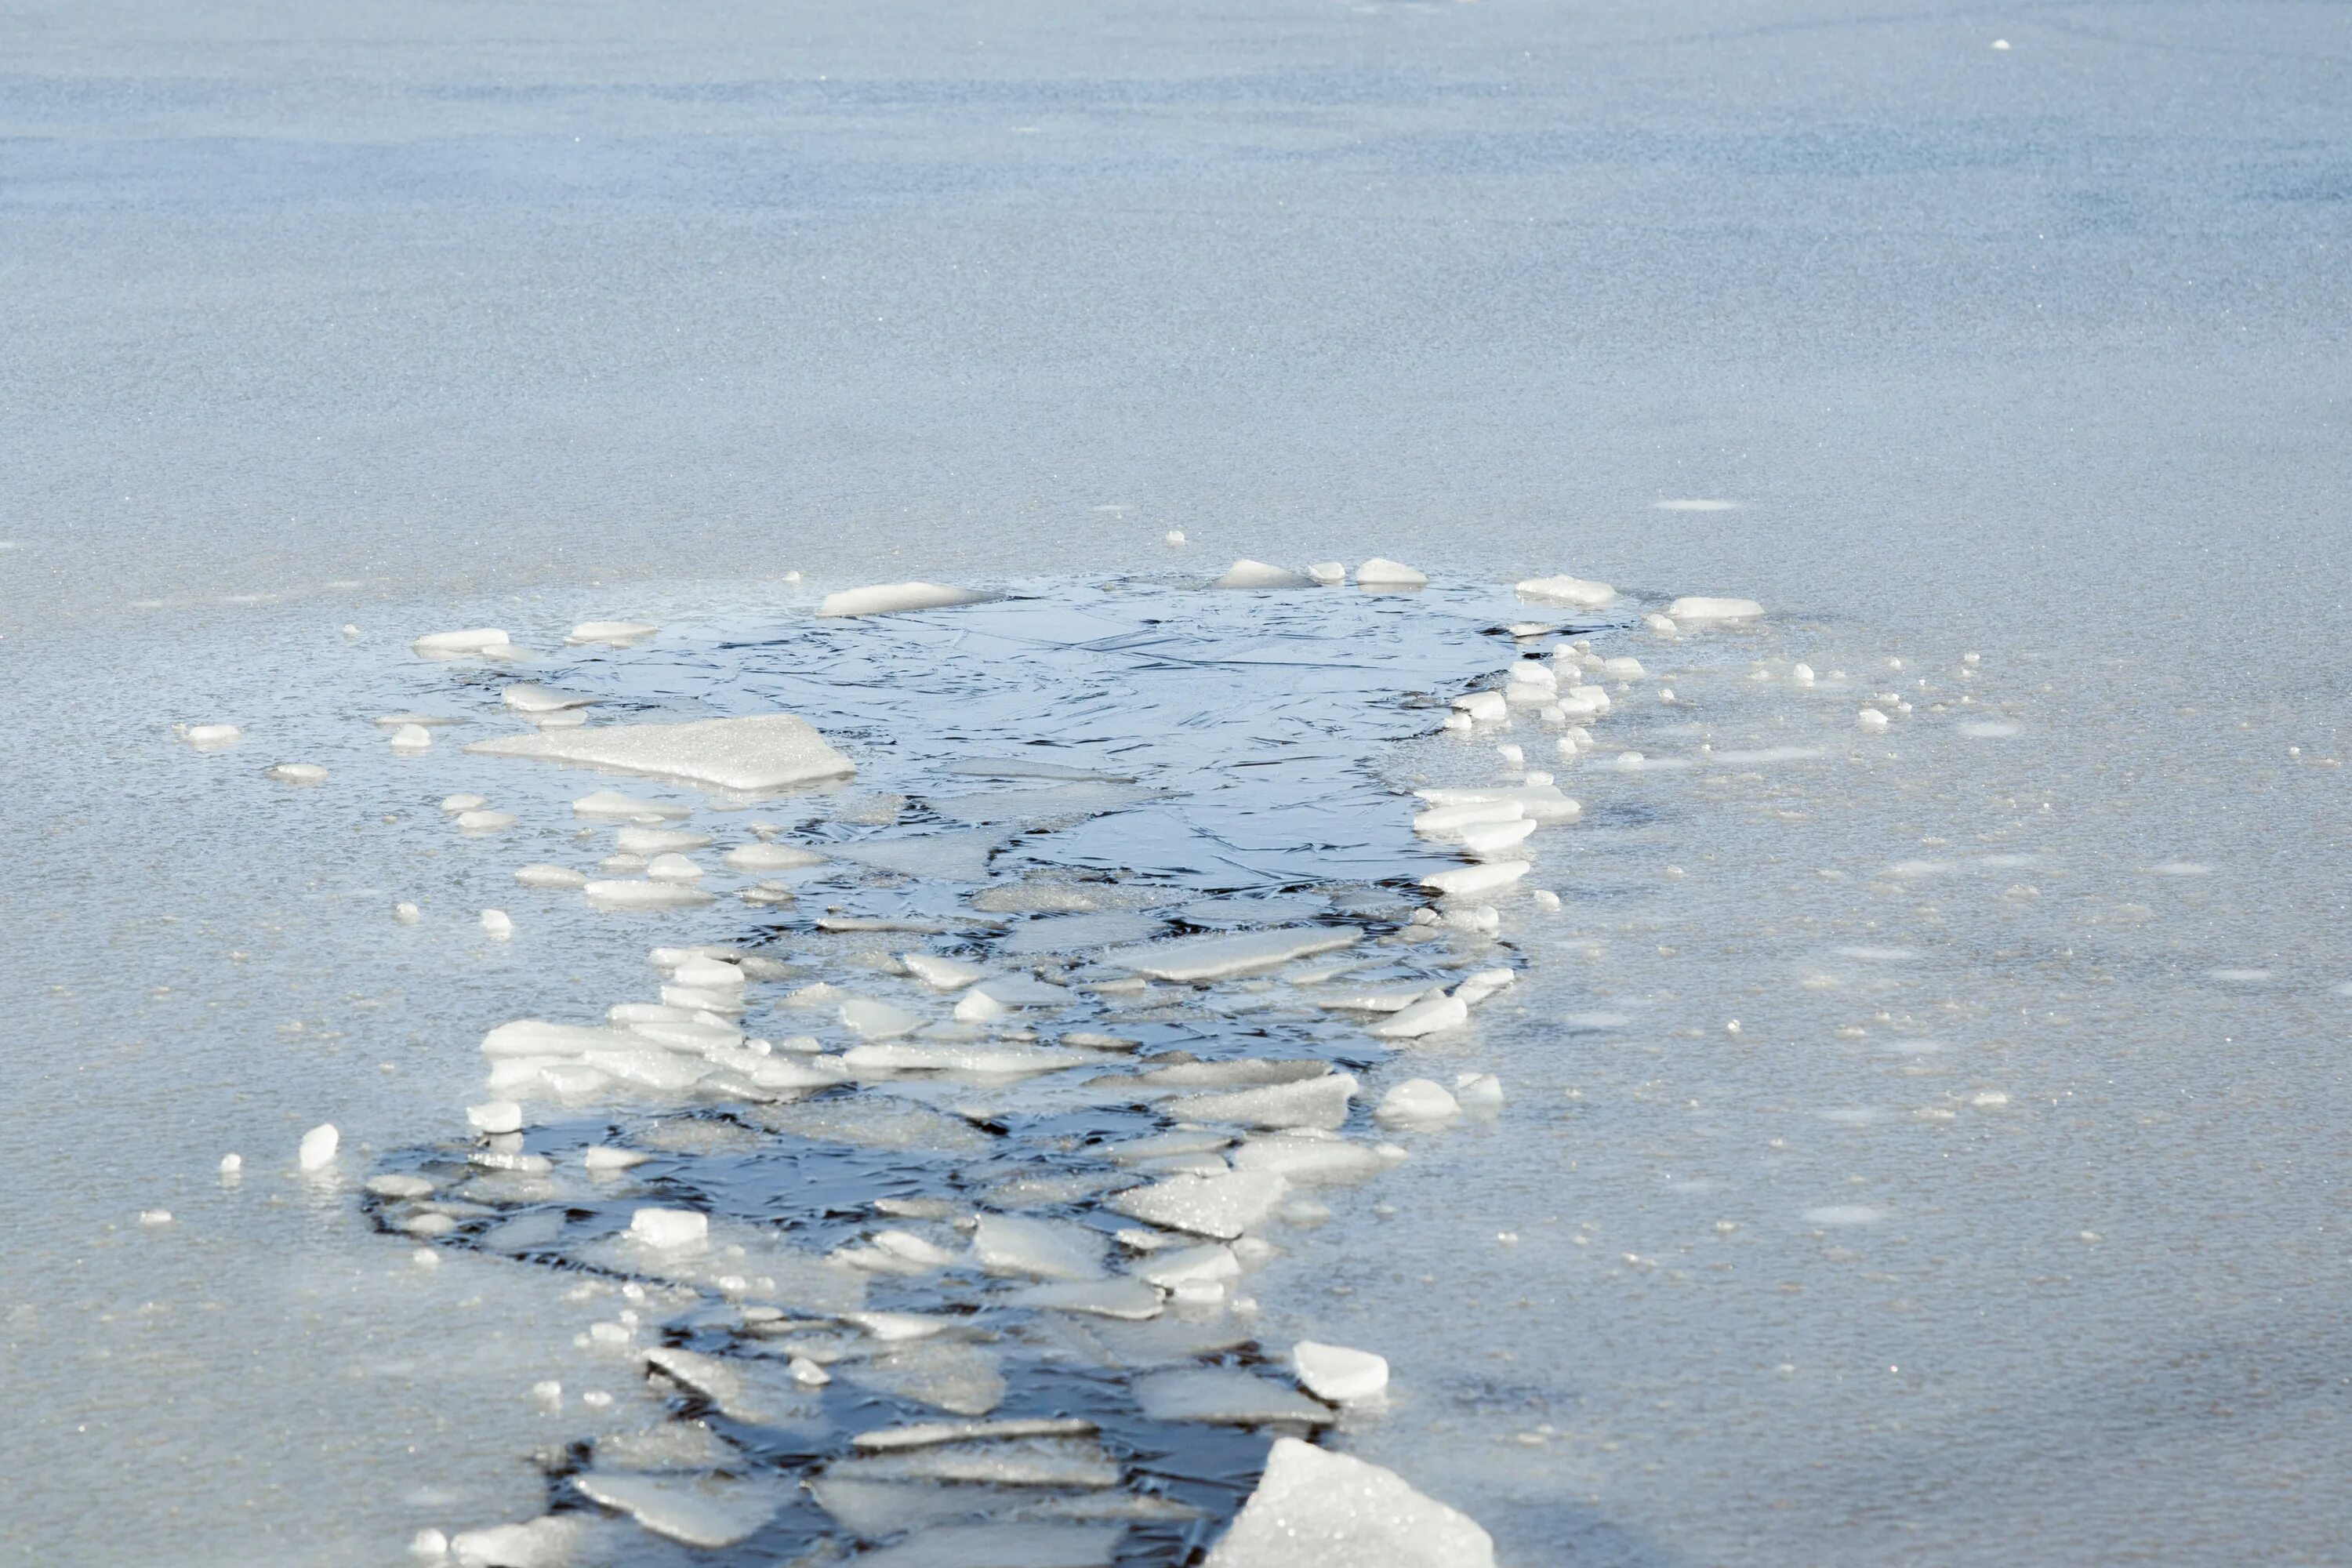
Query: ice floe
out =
(1316, 1508)
(763, 751)
(619, 634)
(1248, 573)
(1339, 1374)
(1218, 957)
(475, 643)
(1381, 572)
(299, 774)
(888, 598)
(1700, 610)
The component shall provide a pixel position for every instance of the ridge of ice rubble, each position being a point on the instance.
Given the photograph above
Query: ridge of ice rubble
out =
(1316, 1508)
(762, 752)
(888, 598)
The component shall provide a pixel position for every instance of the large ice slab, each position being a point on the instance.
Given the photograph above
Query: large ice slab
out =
(1314, 1509)
(885, 598)
(765, 750)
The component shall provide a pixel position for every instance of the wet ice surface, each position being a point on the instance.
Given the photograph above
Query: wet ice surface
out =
(1970, 1177)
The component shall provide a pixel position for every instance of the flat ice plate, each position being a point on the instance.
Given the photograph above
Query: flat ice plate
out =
(766, 751)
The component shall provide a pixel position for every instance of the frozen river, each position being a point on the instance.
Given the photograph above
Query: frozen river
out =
(2011, 382)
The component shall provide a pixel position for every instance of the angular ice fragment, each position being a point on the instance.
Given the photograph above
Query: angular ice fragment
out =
(545, 1543)
(672, 868)
(1417, 1099)
(495, 1116)
(411, 738)
(876, 1020)
(1475, 988)
(669, 1229)
(1478, 1091)
(1314, 1509)
(484, 821)
(1426, 1016)
(1216, 957)
(1702, 610)
(1338, 1373)
(542, 875)
(771, 857)
(1248, 573)
(602, 1157)
(1870, 721)
(499, 923)
(887, 598)
(1183, 1265)
(1465, 881)
(930, 1434)
(1483, 706)
(1381, 572)
(318, 1150)
(1313, 1102)
(940, 973)
(299, 774)
(406, 914)
(764, 751)
(1493, 838)
(1045, 1249)
(1310, 1161)
(1219, 1207)
(531, 698)
(458, 645)
(1226, 1397)
(695, 1510)
(619, 634)
(1564, 590)
(1130, 1299)
(1451, 821)
(1329, 573)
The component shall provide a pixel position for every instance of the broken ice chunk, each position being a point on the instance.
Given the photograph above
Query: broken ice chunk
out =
(531, 698)
(890, 598)
(1542, 802)
(458, 644)
(484, 821)
(762, 752)
(411, 738)
(1248, 573)
(1329, 573)
(1465, 881)
(612, 803)
(709, 1511)
(1313, 1102)
(1219, 1207)
(1478, 1091)
(1483, 706)
(1226, 1397)
(1183, 1265)
(771, 857)
(542, 875)
(619, 634)
(1700, 610)
(1216, 957)
(634, 895)
(1870, 721)
(1417, 1100)
(1045, 1249)
(317, 1149)
(549, 1542)
(1426, 1016)
(603, 1158)
(669, 1229)
(1475, 988)
(1381, 572)
(1493, 838)
(672, 867)
(299, 774)
(495, 1116)
(940, 973)
(1316, 1508)
(1338, 1373)
(1565, 590)
(1130, 1299)
(878, 1020)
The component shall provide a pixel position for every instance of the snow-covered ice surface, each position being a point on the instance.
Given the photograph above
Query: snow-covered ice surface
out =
(1883, 1166)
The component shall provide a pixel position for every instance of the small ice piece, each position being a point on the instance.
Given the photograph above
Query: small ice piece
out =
(1116, 1297)
(1218, 1206)
(1417, 1099)
(484, 821)
(2000, 43)
(458, 644)
(427, 1544)
(532, 698)
(771, 857)
(669, 1229)
(606, 803)
(941, 974)
(299, 774)
(1379, 571)
(1565, 590)
(605, 1158)
(1544, 803)
(542, 875)
(1486, 842)
(1187, 1265)
(407, 914)
(399, 1184)
(232, 1164)
(1329, 573)
(1843, 1214)
(498, 923)
(1545, 898)
(457, 804)
(1662, 623)
(1703, 611)
(318, 1150)
(635, 840)
(672, 868)
(411, 738)
(1448, 822)
(760, 752)
(495, 1116)
(634, 895)
(1801, 674)
(703, 970)
(706, 1511)
(1478, 1091)
(807, 1372)
(890, 598)
(1625, 666)
(1317, 1508)
(549, 1542)
(152, 1217)
(1042, 1250)
(1248, 573)
(1228, 1396)
(1483, 707)
(619, 634)
(1870, 721)
(1336, 1373)
(207, 736)
(1464, 880)
(1476, 987)
(876, 1020)
(1426, 1016)
(1312, 1102)
(1219, 957)
(977, 1007)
